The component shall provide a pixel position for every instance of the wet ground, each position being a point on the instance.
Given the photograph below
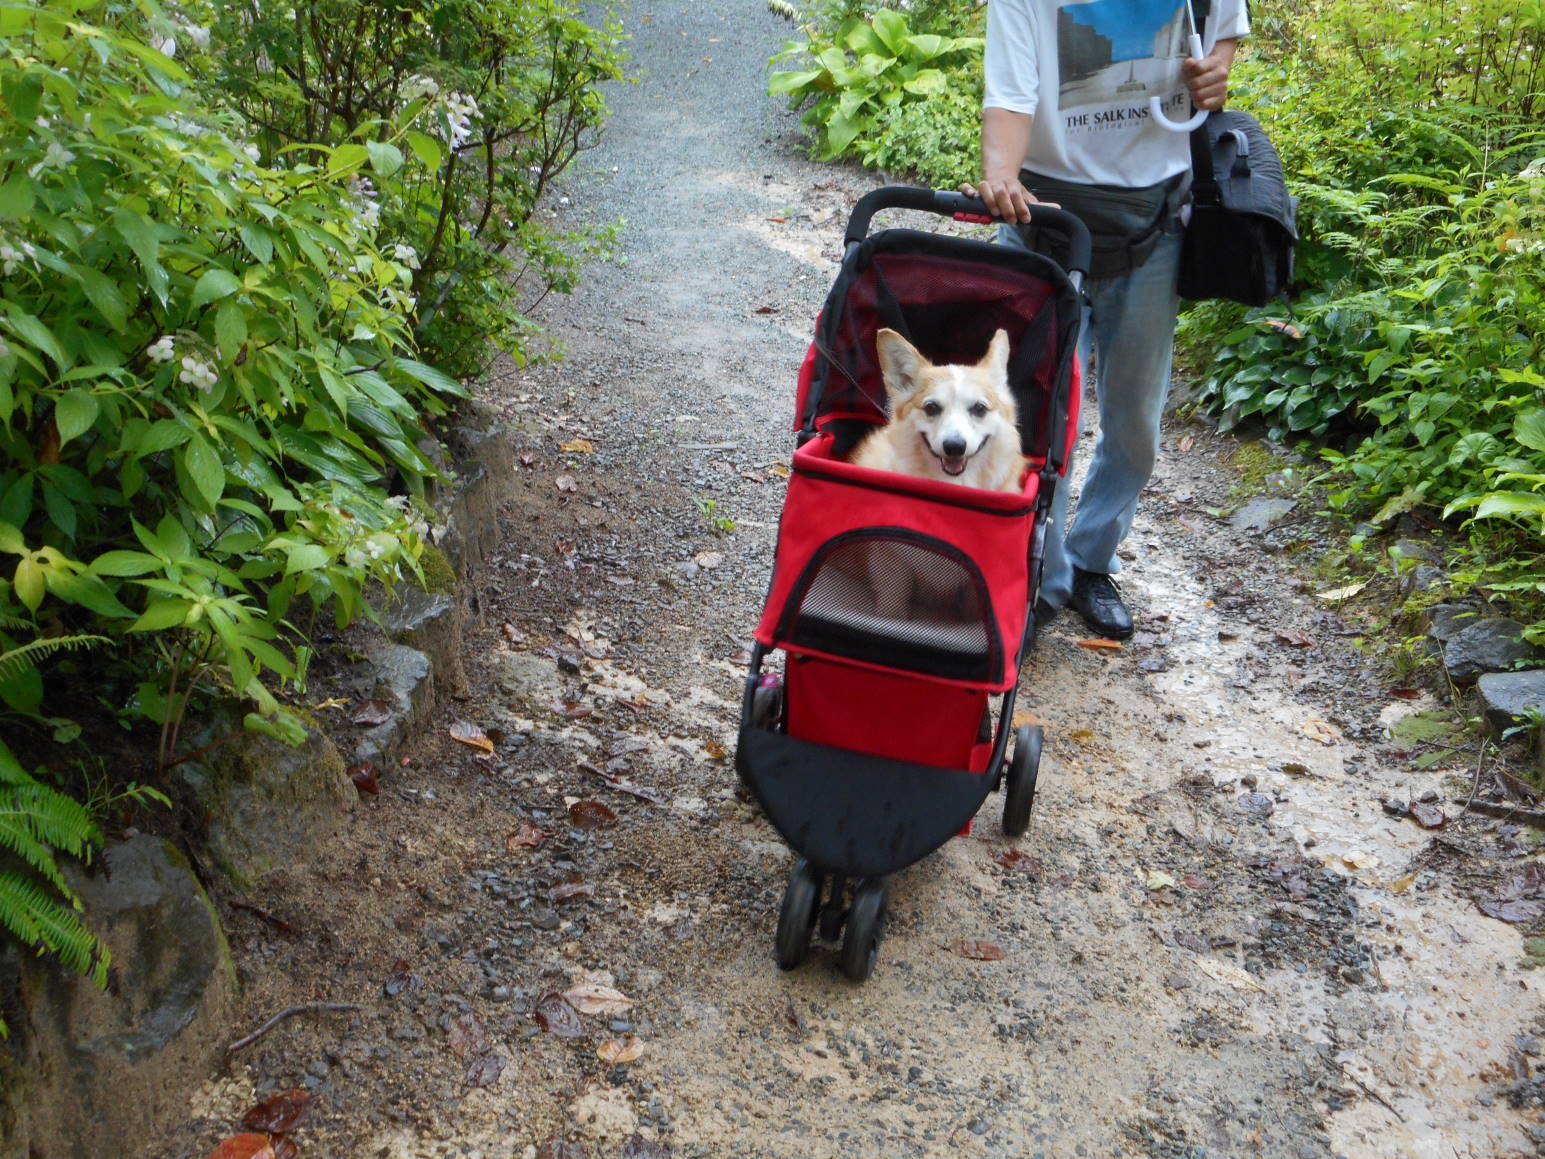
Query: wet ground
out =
(1213, 940)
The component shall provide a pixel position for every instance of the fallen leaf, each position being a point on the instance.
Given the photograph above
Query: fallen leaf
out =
(557, 1148)
(780, 470)
(471, 735)
(708, 560)
(1320, 730)
(401, 979)
(977, 951)
(1098, 644)
(1295, 638)
(565, 483)
(1023, 717)
(372, 713)
(1192, 881)
(279, 1113)
(557, 1017)
(1400, 885)
(527, 835)
(485, 1070)
(1357, 860)
(1294, 768)
(244, 1147)
(602, 1000)
(616, 1052)
(467, 1037)
(1286, 329)
(578, 446)
(1016, 859)
(1428, 816)
(1083, 736)
(571, 709)
(1406, 693)
(1258, 803)
(567, 890)
(716, 750)
(1158, 879)
(527, 458)
(1228, 973)
(284, 1147)
(1521, 899)
(591, 815)
(1336, 595)
(638, 1147)
(364, 778)
(1186, 443)
(767, 309)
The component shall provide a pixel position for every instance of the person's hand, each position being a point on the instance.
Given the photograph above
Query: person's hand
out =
(1208, 78)
(1006, 199)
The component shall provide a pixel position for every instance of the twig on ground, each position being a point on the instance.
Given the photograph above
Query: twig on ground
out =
(290, 1012)
(1532, 817)
(271, 919)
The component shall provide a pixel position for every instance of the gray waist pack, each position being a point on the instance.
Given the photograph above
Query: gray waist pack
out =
(1125, 224)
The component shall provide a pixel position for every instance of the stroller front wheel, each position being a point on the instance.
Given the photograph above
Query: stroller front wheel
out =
(861, 939)
(797, 918)
(1019, 780)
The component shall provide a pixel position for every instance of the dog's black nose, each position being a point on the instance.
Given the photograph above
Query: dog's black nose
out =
(955, 446)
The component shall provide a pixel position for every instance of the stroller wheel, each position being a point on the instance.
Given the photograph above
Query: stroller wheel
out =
(1019, 781)
(861, 940)
(797, 918)
(767, 706)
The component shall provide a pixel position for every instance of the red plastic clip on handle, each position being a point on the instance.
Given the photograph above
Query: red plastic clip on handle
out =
(974, 218)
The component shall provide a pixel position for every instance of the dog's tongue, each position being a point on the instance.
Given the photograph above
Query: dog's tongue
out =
(953, 464)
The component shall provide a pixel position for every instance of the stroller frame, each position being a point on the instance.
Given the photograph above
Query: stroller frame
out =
(855, 807)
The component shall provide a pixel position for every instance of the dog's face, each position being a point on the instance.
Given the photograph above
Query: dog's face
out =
(949, 421)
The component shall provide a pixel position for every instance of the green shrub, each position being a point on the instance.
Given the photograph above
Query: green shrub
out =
(498, 97)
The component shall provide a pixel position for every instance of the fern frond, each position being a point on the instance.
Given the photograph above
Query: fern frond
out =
(53, 817)
(17, 660)
(43, 924)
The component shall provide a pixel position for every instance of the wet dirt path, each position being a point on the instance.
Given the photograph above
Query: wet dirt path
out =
(1215, 943)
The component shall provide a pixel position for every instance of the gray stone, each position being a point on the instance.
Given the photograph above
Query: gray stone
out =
(1425, 578)
(100, 1066)
(1490, 644)
(1445, 621)
(1415, 549)
(432, 623)
(265, 803)
(1507, 698)
(1261, 513)
(405, 683)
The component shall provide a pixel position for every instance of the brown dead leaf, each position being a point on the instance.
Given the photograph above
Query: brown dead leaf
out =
(527, 459)
(245, 1146)
(1521, 899)
(708, 560)
(1228, 973)
(578, 446)
(592, 815)
(1320, 730)
(566, 483)
(371, 713)
(780, 470)
(767, 309)
(279, 1113)
(557, 1017)
(1187, 442)
(1406, 693)
(1427, 816)
(1024, 716)
(568, 890)
(716, 750)
(364, 778)
(976, 950)
(527, 836)
(1295, 638)
(601, 1000)
(485, 1069)
(513, 634)
(1015, 859)
(616, 1051)
(467, 1037)
(1083, 736)
(1100, 644)
(471, 735)
(558, 1147)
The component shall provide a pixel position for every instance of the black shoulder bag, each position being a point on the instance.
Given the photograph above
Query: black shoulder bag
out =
(1239, 242)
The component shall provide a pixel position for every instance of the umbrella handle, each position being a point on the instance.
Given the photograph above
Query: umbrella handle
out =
(1155, 106)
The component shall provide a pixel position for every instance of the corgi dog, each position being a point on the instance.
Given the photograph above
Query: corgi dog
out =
(954, 423)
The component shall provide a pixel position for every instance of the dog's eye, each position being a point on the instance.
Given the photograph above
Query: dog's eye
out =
(932, 409)
(979, 410)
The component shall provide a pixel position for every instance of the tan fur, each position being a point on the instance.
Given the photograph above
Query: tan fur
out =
(914, 442)
(974, 413)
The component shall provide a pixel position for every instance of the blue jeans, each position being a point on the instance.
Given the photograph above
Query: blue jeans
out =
(1131, 329)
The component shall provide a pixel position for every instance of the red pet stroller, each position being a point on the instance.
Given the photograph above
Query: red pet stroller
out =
(878, 742)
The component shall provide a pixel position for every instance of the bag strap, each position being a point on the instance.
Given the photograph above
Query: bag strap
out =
(1204, 182)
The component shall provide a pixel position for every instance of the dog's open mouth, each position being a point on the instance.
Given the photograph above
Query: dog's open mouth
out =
(953, 464)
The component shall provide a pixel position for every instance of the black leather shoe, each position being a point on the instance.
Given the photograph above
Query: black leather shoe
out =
(1096, 598)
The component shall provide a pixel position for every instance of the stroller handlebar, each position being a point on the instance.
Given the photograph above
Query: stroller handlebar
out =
(947, 203)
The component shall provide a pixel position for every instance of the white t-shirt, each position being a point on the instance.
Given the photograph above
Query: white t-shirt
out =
(1085, 70)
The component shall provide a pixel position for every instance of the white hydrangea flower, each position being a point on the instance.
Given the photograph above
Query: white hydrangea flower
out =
(363, 193)
(459, 111)
(197, 373)
(161, 350)
(354, 557)
(56, 156)
(196, 34)
(419, 86)
(405, 254)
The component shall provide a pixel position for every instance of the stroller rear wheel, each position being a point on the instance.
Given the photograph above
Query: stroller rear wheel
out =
(1019, 780)
(861, 940)
(797, 918)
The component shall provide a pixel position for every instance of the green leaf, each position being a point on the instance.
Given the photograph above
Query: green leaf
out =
(74, 412)
(163, 614)
(259, 243)
(891, 27)
(39, 337)
(125, 563)
(436, 380)
(137, 230)
(1529, 429)
(230, 328)
(425, 148)
(11, 540)
(16, 197)
(385, 158)
(104, 294)
(927, 82)
(28, 582)
(307, 557)
(792, 82)
(1511, 503)
(89, 592)
(213, 284)
(346, 158)
(205, 469)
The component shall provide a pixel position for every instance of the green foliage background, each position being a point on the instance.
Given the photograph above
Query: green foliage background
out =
(1411, 132)
(235, 295)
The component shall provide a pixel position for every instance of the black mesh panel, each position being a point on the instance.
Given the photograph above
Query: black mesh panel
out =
(893, 597)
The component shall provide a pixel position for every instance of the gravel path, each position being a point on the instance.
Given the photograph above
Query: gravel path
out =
(1214, 941)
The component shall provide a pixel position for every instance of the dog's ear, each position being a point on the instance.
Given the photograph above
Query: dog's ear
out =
(900, 363)
(996, 359)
